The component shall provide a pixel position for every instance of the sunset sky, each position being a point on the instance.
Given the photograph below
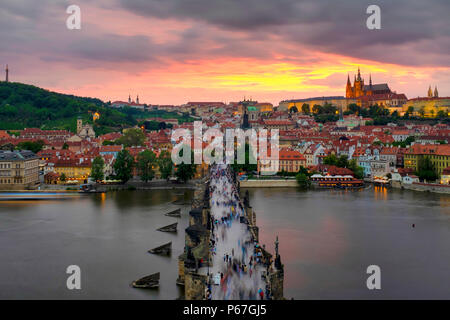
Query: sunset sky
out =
(174, 51)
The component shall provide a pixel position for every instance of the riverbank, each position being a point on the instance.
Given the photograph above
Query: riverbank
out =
(269, 183)
(422, 187)
(130, 185)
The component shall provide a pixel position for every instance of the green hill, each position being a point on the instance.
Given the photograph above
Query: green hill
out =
(26, 106)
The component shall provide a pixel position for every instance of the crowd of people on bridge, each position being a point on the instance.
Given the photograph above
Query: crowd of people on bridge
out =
(238, 262)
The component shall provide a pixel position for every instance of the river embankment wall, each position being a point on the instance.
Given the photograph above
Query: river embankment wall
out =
(423, 187)
(263, 183)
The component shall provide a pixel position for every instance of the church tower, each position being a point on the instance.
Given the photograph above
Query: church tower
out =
(79, 125)
(7, 74)
(436, 94)
(137, 99)
(348, 88)
(359, 85)
(430, 92)
(359, 75)
(129, 98)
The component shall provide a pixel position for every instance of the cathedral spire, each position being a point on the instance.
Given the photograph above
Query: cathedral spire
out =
(370, 81)
(436, 94)
(359, 75)
(129, 98)
(430, 92)
(348, 80)
(137, 99)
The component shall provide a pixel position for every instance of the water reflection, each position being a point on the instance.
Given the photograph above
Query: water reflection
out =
(327, 239)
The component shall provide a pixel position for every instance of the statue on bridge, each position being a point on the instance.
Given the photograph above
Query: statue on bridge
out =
(247, 199)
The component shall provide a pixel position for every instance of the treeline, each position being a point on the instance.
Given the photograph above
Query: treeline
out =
(26, 106)
(379, 114)
(146, 163)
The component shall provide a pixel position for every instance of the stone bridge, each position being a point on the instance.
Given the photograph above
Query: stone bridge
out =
(222, 257)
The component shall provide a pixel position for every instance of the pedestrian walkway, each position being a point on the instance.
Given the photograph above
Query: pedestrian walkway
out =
(237, 272)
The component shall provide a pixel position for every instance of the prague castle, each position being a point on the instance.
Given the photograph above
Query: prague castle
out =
(359, 89)
(371, 94)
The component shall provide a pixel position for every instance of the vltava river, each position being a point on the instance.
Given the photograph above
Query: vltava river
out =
(327, 240)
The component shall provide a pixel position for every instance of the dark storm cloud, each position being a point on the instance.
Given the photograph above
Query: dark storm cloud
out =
(113, 48)
(414, 32)
(338, 26)
(38, 27)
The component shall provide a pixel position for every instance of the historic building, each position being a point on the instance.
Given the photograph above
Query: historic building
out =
(19, 170)
(439, 154)
(431, 94)
(288, 160)
(85, 131)
(359, 89)
(130, 103)
(337, 101)
(430, 106)
(72, 170)
(371, 94)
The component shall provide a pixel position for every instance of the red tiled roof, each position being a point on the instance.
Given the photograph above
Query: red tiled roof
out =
(290, 155)
(112, 148)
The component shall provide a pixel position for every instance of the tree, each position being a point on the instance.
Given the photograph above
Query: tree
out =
(317, 108)
(249, 164)
(108, 143)
(441, 114)
(306, 109)
(165, 164)
(303, 170)
(330, 160)
(123, 166)
(98, 165)
(132, 137)
(65, 146)
(426, 170)
(62, 177)
(303, 180)
(422, 111)
(186, 171)
(31, 145)
(410, 110)
(358, 171)
(342, 161)
(146, 161)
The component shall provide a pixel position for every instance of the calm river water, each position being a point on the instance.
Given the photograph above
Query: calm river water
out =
(327, 240)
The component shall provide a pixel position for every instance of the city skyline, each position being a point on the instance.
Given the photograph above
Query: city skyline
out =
(170, 53)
